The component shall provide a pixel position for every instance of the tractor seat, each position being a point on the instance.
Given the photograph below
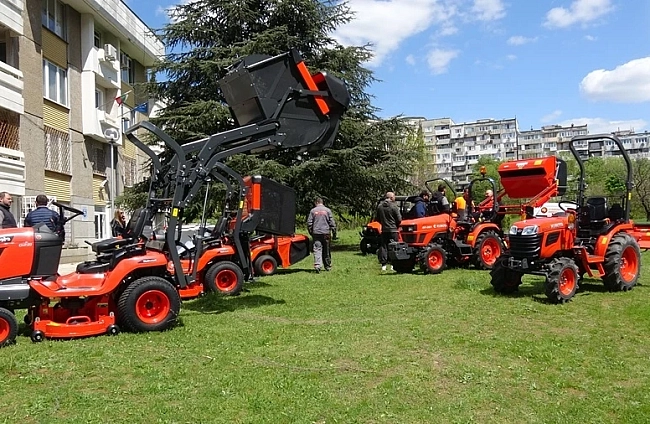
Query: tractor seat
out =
(616, 212)
(134, 231)
(92, 267)
(594, 214)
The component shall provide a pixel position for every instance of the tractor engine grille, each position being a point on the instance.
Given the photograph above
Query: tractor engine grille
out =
(525, 246)
(409, 238)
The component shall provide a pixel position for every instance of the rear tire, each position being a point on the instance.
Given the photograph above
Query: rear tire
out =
(562, 280)
(8, 327)
(149, 304)
(504, 280)
(403, 266)
(224, 277)
(488, 248)
(363, 246)
(622, 263)
(434, 260)
(265, 265)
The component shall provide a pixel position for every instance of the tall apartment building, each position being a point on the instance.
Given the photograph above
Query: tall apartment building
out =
(63, 66)
(435, 131)
(549, 140)
(456, 155)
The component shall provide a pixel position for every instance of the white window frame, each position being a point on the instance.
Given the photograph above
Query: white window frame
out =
(126, 68)
(99, 99)
(61, 78)
(59, 25)
(97, 39)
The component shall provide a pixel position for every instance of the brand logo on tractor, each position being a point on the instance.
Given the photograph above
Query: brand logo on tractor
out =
(25, 244)
(521, 164)
(146, 261)
(6, 239)
(558, 225)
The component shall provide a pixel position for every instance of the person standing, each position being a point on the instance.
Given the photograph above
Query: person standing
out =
(118, 224)
(419, 209)
(7, 219)
(389, 217)
(320, 224)
(439, 201)
(42, 214)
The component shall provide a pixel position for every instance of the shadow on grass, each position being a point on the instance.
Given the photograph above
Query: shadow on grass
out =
(345, 248)
(216, 304)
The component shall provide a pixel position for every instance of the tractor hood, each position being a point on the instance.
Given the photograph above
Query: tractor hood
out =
(441, 221)
(541, 225)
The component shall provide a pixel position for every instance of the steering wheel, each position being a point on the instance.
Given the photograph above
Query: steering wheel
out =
(559, 205)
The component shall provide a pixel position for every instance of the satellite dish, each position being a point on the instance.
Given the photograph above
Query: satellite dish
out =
(111, 134)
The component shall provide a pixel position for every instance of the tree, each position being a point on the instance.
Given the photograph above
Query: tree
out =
(206, 36)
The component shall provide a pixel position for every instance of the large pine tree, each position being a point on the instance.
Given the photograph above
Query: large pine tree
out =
(206, 36)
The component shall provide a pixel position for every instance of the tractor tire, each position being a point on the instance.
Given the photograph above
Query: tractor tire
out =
(488, 248)
(363, 246)
(434, 259)
(265, 265)
(503, 279)
(404, 266)
(8, 327)
(622, 263)
(224, 277)
(148, 304)
(562, 280)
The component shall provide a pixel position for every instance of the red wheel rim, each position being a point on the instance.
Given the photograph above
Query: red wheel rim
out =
(490, 251)
(629, 264)
(267, 266)
(152, 306)
(567, 282)
(5, 328)
(435, 259)
(226, 280)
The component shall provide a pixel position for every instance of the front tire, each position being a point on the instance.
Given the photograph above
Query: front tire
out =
(562, 280)
(224, 277)
(622, 263)
(504, 280)
(488, 248)
(8, 327)
(265, 265)
(435, 259)
(149, 304)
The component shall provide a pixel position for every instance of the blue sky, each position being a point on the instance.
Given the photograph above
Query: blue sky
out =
(545, 62)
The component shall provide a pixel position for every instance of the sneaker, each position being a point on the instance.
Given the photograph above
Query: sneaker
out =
(383, 267)
(391, 268)
(328, 268)
(317, 269)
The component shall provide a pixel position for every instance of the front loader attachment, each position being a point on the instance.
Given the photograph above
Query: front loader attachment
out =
(525, 179)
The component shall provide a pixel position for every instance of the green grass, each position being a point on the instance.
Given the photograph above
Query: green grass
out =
(353, 346)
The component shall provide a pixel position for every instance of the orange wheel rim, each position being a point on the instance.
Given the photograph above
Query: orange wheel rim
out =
(226, 280)
(152, 306)
(435, 259)
(267, 266)
(5, 328)
(567, 283)
(629, 264)
(490, 251)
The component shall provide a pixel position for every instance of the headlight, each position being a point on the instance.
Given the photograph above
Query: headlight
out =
(364, 228)
(409, 228)
(513, 229)
(529, 230)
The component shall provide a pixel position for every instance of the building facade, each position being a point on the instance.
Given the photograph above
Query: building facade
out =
(66, 64)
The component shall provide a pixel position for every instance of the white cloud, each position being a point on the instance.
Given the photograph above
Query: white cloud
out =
(602, 125)
(511, 57)
(519, 40)
(439, 59)
(627, 83)
(580, 12)
(410, 59)
(590, 38)
(551, 117)
(488, 10)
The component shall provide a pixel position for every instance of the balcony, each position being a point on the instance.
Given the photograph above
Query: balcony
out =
(11, 88)
(12, 171)
(106, 68)
(96, 127)
(11, 15)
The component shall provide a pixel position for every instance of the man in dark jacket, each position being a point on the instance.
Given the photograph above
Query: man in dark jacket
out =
(319, 224)
(7, 219)
(389, 217)
(439, 201)
(42, 214)
(419, 209)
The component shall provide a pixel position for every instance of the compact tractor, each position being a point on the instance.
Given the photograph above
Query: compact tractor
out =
(134, 283)
(440, 239)
(589, 237)
(371, 232)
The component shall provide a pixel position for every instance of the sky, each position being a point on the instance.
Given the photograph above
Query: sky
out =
(544, 62)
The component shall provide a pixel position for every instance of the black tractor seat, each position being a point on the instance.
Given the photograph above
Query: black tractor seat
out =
(134, 231)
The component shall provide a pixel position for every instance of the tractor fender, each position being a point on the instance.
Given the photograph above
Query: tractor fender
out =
(210, 255)
(258, 249)
(480, 228)
(603, 241)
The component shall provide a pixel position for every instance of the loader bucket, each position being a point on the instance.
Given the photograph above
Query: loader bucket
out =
(525, 179)
(271, 204)
(307, 108)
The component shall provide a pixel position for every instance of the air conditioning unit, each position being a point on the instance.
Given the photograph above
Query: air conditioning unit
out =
(110, 52)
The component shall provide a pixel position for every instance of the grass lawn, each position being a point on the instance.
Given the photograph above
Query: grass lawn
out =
(353, 345)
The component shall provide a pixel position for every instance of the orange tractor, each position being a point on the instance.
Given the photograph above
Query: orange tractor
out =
(371, 233)
(587, 237)
(134, 283)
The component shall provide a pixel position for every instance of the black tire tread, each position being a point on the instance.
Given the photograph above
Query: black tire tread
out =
(501, 277)
(126, 304)
(555, 268)
(7, 315)
(612, 278)
(258, 264)
(212, 272)
(476, 256)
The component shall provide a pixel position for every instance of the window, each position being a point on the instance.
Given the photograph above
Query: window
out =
(53, 17)
(98, 40)
(99, 99)
(100, 223)
(55, 83)
(129, 120)
(99, 159)
(129, 172)
(57, 150)
(128, 72)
